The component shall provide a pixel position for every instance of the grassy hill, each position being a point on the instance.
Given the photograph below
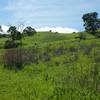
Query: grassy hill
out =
(67, 69)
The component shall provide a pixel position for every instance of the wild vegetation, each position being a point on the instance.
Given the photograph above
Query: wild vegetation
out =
(49, 65)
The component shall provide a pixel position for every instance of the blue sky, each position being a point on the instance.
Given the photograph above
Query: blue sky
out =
(47, 13)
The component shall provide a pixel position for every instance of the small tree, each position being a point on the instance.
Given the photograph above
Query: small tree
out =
(50, 31)
(29, 31)
(91, 22)
(15, 35)
(12, 30)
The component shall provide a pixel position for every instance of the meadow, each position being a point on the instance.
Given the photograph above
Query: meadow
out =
(65, 68)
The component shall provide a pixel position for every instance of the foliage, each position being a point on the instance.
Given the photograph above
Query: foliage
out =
(91, 22)
(29, 31)
(82, 36)
(15, 35)
(10, 44)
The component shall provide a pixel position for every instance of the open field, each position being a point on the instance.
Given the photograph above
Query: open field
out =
(68, 69)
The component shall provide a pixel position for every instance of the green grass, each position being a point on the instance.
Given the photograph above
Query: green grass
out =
(73, 74)
(42, 38)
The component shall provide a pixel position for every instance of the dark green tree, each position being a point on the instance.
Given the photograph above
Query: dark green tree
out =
(12, 30)
(91, 22)
(29, 31)
(15, 35)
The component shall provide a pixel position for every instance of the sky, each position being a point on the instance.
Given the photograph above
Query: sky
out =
(62, 14)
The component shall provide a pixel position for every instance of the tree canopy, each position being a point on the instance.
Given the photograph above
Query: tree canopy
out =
(91, 22)
(15, 35)
(29, 31)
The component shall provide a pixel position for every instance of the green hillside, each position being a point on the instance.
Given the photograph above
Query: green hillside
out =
(61, 67)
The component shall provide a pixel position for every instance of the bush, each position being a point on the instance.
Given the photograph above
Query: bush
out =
(13, 58)
(10, 44)
(98, 34)
(31, 55)
(81, 36)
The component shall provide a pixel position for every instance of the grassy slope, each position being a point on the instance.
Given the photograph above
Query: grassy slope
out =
(42, 38)
(73, 75)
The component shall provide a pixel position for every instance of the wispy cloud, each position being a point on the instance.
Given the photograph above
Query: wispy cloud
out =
(53, 29)
(58, 29)
(32, 10)
(28, 9)
(22, 9)
(4, 28)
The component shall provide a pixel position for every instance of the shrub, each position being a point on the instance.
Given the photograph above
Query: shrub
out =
(46, 57)
(10, 44)
(13, 59)
(98, 34)
(82, 36)
(59, 51)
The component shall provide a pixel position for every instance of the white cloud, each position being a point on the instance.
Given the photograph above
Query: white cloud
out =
(54, 29)
(4, 28)
(58, 29)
